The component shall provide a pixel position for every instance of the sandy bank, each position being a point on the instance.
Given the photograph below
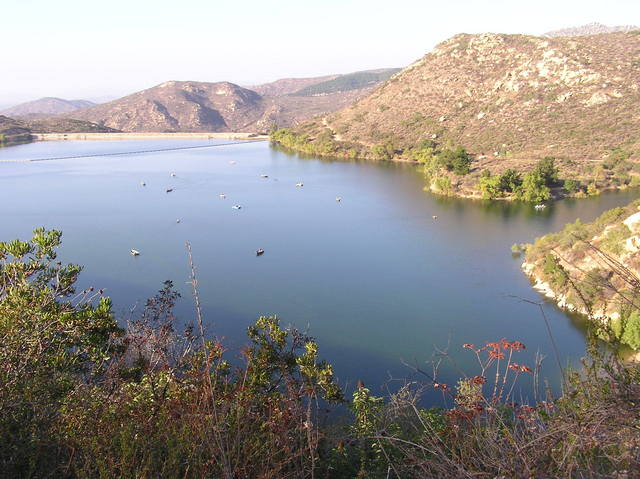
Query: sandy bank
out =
(147, 136)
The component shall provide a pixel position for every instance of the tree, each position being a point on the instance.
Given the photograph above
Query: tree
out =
(534, 188)
(51, 337)
(510, 180)
(548, 171)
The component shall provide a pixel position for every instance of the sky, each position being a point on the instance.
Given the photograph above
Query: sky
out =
(79, 49)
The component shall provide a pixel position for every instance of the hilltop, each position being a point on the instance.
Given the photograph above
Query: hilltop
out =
(190, 106)
(589, 29)
(287, 86)
(508, 100)
(45, 107)
(180, 106)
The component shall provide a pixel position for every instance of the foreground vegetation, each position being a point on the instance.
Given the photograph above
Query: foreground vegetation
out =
(81, 397)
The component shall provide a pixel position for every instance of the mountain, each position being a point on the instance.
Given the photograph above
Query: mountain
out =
(181, 106)
(44, 107)
(287, 86)
(509, 100)
(13, 131)
(348, 82)
(589, 29)
(220, 107)
(326, 84)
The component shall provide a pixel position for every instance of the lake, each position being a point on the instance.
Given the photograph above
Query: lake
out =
(374, 277)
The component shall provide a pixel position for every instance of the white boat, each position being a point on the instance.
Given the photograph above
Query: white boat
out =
(299, 184)
(222, 195)
(264, 176)
(142, 183)
(134, 252)
(540, 207)
(173, 174)
(338, 199)
(236, 207)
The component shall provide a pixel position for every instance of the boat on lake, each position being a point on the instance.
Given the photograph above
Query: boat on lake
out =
(259, 252)
(134, 252)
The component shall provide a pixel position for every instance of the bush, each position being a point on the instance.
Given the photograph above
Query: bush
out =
(456, 160)
(572, 186)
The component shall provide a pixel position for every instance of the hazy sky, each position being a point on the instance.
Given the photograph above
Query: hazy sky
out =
(86, 49)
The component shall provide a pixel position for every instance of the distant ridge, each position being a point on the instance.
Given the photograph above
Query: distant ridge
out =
(48, 106)
(589, 29)
(190, 106)
(348, 82)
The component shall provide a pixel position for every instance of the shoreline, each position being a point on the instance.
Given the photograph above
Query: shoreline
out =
(148, 136)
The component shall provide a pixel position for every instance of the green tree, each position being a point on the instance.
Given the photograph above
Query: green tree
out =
(548, 171)
(51, 338)
(510, 180)
(534, 188)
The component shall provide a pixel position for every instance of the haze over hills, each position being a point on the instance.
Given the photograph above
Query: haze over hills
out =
(589, 29)
(48, 106)
(179, 106)
(287, 86)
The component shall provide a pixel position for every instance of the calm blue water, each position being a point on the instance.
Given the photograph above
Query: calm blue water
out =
(374, 278)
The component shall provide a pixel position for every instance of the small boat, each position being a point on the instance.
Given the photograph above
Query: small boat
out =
(169, 190)
(142, 183)
(178, 220)
(173, 174)
(540, 207)
(232, 162)
(259, 252)
(264, 176)
(236, 207)
(435, 217)
(299, 184)
(222, 195)
(134, 252)
(338, 199)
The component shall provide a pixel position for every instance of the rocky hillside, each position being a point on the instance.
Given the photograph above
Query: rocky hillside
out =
(509, 100)
(181, 106)
(287, 86)
(13, 131)
(220, 107)
(590, 29)
(594, 269)
(45, 107)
